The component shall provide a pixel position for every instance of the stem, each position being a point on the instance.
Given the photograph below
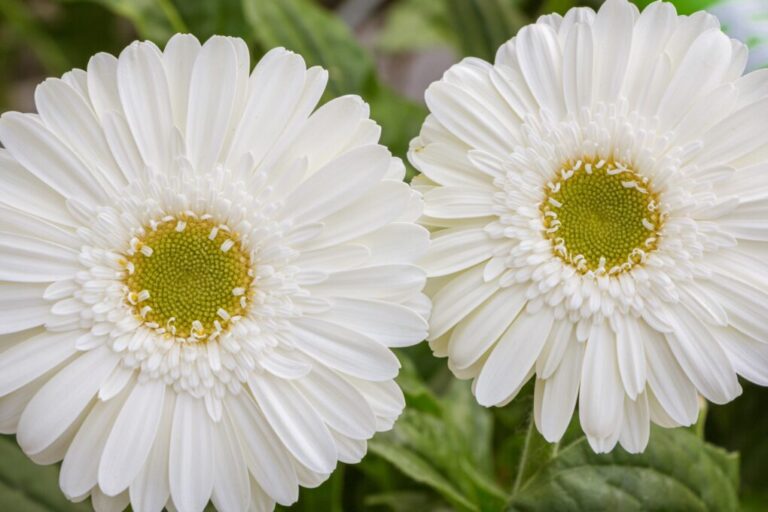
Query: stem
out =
(173, 16)
(524, 457)
(701, 422)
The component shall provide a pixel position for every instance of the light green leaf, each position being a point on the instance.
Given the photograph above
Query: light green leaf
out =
(416, 25)
(27, 487)
(677, 471)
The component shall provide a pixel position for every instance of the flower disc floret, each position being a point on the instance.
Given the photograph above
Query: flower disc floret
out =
(601, 216)
(188, 277)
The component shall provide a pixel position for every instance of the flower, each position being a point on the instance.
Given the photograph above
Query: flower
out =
(598, 204)
(747, 21)
(201, 278)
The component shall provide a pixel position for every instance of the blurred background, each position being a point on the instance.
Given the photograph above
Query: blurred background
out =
(446, 453)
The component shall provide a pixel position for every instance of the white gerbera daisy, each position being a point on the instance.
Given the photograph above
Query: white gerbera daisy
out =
(201, 278)
(598, 197)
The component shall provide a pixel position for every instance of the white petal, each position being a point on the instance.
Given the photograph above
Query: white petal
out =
(510, 362)
(13, 404)
(459, 298)
(231, 487)
(295, 423)
(329, 130)
(103, 503)
(132, 437)
(553, 352)
(26, 361)
(601, 396)
(79, 471)
(150, 490)
(146, 101)
(385, 282)
(458, 203)
(702, 358)
(275, 87)
(371, 212)
(344, 350)
(637, 424)
(457, 249)
(578, 68)
(612, 34)
(45, 156)
(22, 307)
(748, 356)
(671, 387)
(560, 391)
(391, 325)
(102, 84)
(631, 355)
(483, 327)
(385, 399)
(337, 184)
(179, 58)
(21, 190)
(191, 469)
(265, 455)
(339, 404)
(67, 114)
(31, 260)
(540, 57)
(62, 399)
(211, 101)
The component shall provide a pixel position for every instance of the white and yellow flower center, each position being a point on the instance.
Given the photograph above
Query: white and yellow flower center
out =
(188, 277)
(601, 216)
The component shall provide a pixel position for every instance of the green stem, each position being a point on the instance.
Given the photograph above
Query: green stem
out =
(701, 422)
(524, 457)
(173, 16)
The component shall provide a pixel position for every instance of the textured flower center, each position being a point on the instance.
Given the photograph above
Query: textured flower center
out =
(601, 216)
(188, 277)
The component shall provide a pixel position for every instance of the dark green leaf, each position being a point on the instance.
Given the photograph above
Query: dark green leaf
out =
(155, 20)
(677, 472)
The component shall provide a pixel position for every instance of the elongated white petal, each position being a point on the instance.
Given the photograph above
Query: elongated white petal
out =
(509, 363)
(190, 468)
(62, 399)
(132, 437)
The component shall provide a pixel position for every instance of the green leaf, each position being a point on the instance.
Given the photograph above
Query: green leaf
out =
(481, 26)
(27, 487)
(155, 20)
(206, 18)
(421, 471)
(416, 25)
(677, 471)
(317, 35)
(406, 501)
(326, 497)
(682, 6)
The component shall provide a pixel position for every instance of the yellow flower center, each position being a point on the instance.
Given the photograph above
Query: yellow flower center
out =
(188, 277)
(601, 216)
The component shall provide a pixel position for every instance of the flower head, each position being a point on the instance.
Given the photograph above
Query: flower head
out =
(596, 197)
(201, 278)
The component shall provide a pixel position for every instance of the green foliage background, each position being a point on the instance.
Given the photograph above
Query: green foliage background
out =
(446, 452)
